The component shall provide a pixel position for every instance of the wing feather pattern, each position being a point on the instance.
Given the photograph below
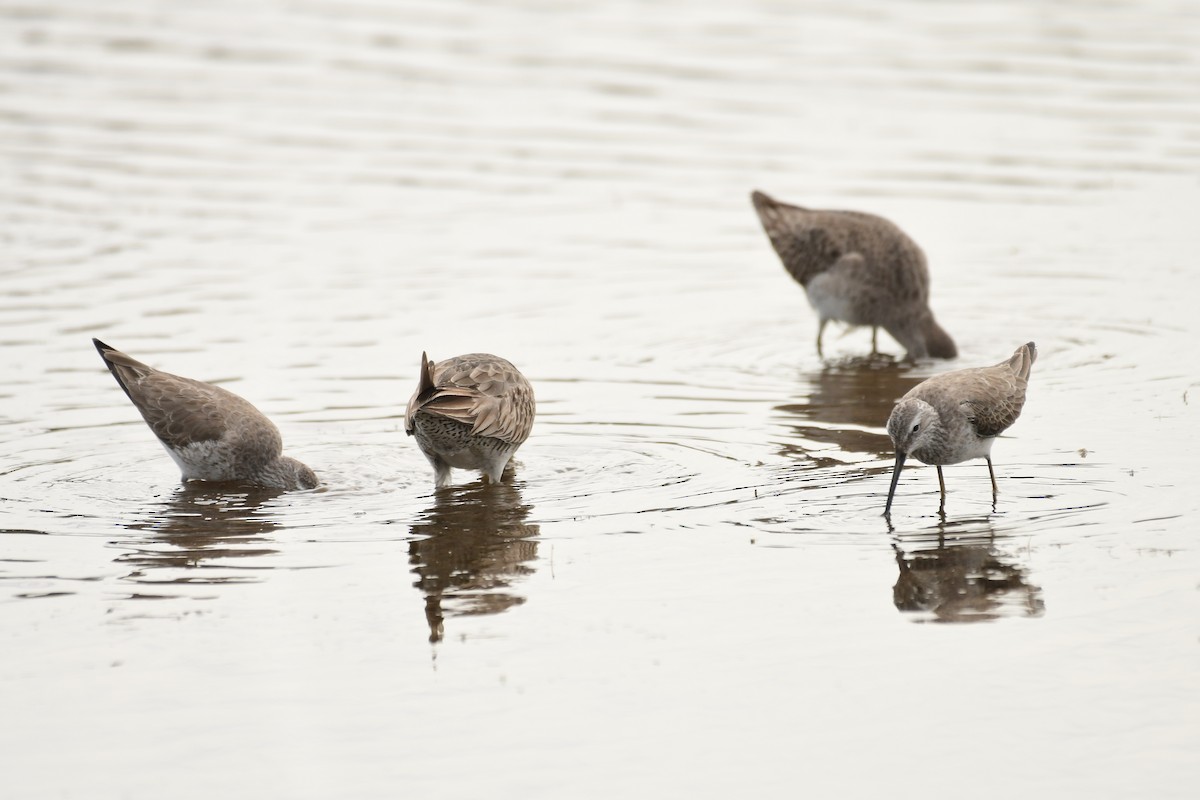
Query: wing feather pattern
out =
(481, 390)
(182, 411)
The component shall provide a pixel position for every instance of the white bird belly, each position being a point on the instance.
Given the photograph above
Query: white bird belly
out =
(830, 299)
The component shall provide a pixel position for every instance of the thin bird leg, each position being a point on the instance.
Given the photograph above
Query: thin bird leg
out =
(820, 331)
(441, 472)
(992, 474)
(874, 343)
(942, 484)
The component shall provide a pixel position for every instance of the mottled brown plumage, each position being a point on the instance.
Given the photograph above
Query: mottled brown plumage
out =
(470, 412)
(857, 268)
(210, 432)
(956, 416)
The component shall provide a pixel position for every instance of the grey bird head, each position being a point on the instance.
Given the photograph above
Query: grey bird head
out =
(291, 474)
(912, 424)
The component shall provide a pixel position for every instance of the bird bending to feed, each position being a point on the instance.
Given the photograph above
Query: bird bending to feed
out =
(956, 416)
(210, 432)
(470, 412)
(857, 268)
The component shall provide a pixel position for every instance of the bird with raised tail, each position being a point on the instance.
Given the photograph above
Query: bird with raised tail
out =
(210, 432)
(956, 416)
(470, 412)
(859, 269)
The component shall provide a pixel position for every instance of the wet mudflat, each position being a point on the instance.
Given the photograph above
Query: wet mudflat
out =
(687, 588)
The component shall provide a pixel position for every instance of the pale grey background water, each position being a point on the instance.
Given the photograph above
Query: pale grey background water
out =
(688, 591)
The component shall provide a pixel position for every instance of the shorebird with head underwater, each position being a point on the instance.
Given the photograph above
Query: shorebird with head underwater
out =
(859, 269)
(210, 432)
(470, 412)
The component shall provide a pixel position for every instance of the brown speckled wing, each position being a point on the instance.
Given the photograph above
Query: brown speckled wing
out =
(810, 242)
(995, 398)
(803, 246)
(1000, 394)
(480, 390)
(181, 411)
(989, 398)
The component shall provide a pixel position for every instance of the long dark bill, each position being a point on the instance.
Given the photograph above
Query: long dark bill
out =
(900, 456)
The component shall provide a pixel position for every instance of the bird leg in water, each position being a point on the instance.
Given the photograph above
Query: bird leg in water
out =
(942, 504)
(992, 475)
(820, 332)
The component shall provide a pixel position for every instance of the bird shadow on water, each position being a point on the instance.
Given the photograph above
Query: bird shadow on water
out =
(469, 548)
(963, 572)
(840, 407)
(191, 537)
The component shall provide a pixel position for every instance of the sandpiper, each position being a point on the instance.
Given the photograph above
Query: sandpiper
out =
(470, 412)
(956, 416)
(857, 268)
(210, 432)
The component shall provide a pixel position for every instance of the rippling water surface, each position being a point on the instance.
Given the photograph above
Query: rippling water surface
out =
(687, 589)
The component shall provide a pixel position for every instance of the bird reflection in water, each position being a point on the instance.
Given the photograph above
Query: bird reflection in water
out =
(962, 578)
(469, 548)
(194, 534)
(840, 407)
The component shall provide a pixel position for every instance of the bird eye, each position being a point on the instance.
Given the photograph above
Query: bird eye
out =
(916, 427)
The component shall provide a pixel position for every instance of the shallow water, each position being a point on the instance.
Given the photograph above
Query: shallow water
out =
(688, 588)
